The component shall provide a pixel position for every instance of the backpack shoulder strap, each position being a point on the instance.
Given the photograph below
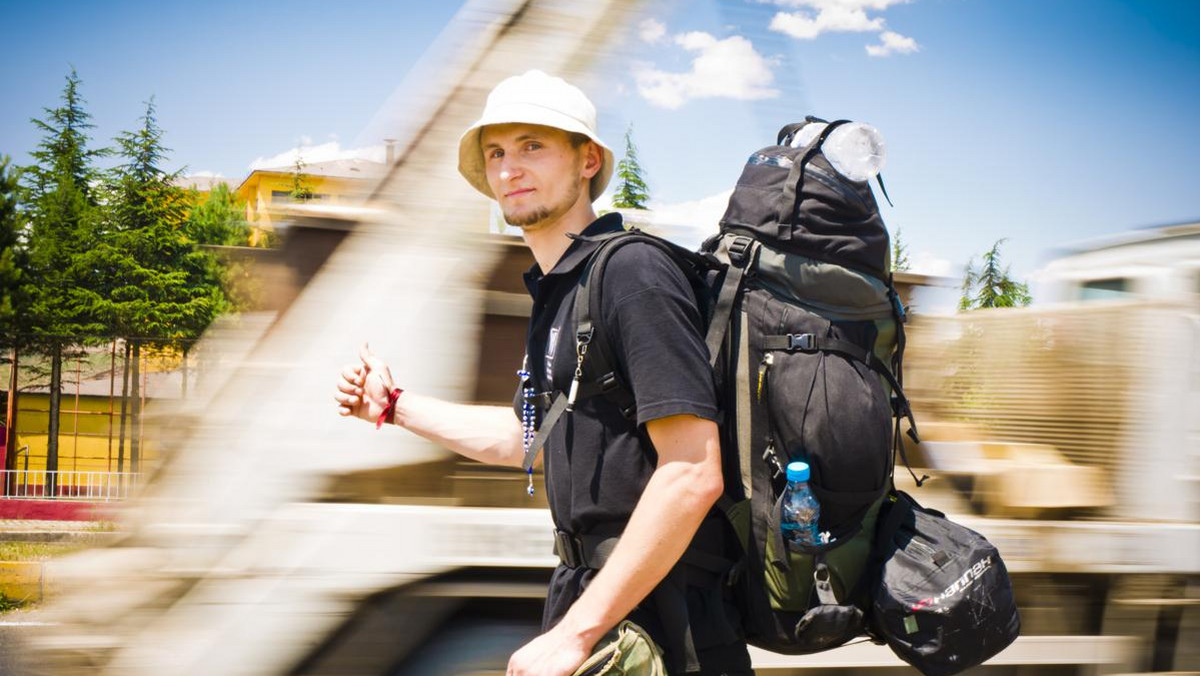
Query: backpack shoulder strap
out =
(591, 339)
(606, 378)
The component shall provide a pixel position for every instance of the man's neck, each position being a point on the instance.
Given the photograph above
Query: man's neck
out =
(550, 242)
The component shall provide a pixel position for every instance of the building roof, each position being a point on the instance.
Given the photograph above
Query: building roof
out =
(157, 385)
(200, 183)
(348, 168)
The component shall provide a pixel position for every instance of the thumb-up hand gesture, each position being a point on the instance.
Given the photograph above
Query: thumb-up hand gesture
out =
(364, 388)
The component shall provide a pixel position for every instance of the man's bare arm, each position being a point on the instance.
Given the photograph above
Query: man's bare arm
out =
(678, 496)
(489, 434)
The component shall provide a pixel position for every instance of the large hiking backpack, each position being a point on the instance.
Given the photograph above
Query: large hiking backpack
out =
(806, 338)
(811, 371)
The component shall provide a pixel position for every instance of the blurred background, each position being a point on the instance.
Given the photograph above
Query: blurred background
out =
(206, 210)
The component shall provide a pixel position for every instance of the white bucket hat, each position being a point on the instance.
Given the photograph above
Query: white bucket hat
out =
(533, 98)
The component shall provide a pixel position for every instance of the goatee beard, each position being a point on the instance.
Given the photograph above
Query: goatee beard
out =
(528, 220)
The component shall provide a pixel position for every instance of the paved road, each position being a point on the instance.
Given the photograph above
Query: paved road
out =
(12, 658)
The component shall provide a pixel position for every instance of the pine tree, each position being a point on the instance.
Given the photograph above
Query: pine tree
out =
(992, 285)
(632, 191)
(13, 259)
(161, 287)
(65, 220)
(899, 253)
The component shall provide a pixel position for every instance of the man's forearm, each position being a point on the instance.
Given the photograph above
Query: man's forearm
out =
(489, 434)
(675, 501)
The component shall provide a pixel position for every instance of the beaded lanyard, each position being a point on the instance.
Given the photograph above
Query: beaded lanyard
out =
(528, 414)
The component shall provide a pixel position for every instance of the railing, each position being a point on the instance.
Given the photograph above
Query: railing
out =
(38, 484)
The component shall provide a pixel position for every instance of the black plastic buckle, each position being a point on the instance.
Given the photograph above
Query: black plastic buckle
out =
(738, 249)
(772, 459)
(609, 382)
(805, 342)
(540, 400)
(567, 547)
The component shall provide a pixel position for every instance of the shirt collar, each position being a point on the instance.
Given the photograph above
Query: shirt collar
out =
(579, 251)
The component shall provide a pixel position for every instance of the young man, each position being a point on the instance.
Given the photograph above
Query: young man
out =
(653, 480)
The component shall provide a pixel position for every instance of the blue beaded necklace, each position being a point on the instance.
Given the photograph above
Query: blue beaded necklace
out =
(528, 414)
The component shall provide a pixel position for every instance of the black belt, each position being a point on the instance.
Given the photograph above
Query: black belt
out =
(592, 551)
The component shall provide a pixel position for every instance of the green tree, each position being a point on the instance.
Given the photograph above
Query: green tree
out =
(13, 260)
(159, 287)
(301, 190)
(65, 220)
(899, 253)
(632, 191)
(991, 284)
(220, 219)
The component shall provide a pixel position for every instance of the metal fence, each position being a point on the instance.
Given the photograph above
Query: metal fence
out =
(38, 484)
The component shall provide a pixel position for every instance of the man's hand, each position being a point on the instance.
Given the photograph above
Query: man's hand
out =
(363, 388)
(554, 653)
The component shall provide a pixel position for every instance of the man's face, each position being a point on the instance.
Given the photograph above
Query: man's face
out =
(535, 172)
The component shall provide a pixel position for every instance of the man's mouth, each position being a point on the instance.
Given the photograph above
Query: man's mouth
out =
(518, 192)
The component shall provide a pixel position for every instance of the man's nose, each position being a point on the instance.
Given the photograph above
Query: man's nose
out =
(509, 169)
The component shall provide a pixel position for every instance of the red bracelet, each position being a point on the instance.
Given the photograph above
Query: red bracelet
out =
(389, 411)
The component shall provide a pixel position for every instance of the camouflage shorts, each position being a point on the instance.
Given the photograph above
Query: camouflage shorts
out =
(625, 651)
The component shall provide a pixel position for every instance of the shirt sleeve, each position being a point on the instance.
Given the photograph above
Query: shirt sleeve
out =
(654, 330)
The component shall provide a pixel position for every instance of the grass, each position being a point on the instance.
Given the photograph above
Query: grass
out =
(36, 551)
(31, 552)
(9, 605)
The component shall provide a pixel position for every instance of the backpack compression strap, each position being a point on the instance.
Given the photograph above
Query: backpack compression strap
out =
(741, 252)
(787, 198)
(811, 342)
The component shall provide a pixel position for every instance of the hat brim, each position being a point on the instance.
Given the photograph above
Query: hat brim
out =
(470, 154)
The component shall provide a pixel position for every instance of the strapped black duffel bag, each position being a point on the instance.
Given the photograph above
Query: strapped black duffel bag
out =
(943, 600)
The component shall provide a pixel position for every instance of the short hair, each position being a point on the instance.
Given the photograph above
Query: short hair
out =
(577, 140)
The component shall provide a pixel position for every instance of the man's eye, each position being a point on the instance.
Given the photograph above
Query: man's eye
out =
(495, 153)
(533, 146)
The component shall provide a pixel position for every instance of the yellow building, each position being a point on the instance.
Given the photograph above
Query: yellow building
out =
(89, 420)
(268, 192)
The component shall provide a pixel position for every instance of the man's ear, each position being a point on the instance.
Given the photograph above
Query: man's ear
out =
(593, 159)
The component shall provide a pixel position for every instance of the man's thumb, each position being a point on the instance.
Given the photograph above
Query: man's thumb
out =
(369, 359)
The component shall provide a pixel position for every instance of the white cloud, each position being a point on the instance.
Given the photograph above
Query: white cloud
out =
(926, 263)
(893, 43)
(804, 26)
(839, 4)
(206, 174)
(841, 16)
(651, 31)
(324, 152)
(704, 213)
(687, 224)
(729, 68)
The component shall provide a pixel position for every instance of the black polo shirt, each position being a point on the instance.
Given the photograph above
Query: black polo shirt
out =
(597, 462)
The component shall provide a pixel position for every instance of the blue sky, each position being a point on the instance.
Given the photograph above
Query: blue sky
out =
(1046, 122)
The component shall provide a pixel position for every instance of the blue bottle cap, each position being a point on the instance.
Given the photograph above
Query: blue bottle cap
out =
(797, 471)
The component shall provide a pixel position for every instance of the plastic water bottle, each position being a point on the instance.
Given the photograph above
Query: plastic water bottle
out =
(855, 150)
(801, 511)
